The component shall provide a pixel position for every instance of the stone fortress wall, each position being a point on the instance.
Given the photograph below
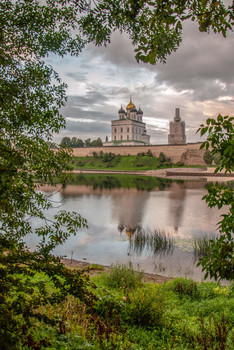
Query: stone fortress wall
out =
(189, 154)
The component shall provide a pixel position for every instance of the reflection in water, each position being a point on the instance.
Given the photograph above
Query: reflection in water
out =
(177, 201)
(128, 208)
(200, 245)
(136, 205)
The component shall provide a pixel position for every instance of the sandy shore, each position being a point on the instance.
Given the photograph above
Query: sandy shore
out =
(76, 264)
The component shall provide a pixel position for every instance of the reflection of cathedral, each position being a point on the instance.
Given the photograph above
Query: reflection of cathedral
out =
(129, 129)
(129, 209)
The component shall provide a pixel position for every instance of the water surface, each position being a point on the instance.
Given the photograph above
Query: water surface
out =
(122, 209)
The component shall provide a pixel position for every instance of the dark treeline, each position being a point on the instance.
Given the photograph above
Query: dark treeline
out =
(74, 142)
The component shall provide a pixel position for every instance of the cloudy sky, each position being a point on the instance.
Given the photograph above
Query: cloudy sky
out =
(198, 78)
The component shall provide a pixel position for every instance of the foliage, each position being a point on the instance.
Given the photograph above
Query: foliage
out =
(201, 245)
(164, 161)
(207, 157)
(123, 277)
(219, 261)
(154, 27)
(76, 143)
(144, 307)
(31, 96)
(97, 143)
(116, 162)
(178, 314)
(186, 288)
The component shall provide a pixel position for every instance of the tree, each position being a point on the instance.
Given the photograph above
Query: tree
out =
(97, 143)
(154, 27)
(219, 262)
(79, 143)
(75, 142)
(87, 142)
(31, 96)
(66, 142)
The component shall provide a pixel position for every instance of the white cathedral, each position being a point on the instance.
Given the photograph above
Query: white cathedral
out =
(129, 129)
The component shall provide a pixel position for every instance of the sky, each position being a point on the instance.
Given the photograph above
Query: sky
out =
(198, 78)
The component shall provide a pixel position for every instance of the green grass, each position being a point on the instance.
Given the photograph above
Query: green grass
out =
(124, 163)
(127, 314)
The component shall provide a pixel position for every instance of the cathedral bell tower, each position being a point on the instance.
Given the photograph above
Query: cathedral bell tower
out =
(177, 130)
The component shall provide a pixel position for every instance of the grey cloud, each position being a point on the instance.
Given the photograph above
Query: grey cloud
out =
(120, 51)
(203, 64)
(78, 76)
(82, 128)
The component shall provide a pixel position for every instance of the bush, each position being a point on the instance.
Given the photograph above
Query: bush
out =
(149, 153)
(180, 163)
(124, 277)
(163, 160)
(207, 157)
(186, 287)
(144, 307)
(108, 307)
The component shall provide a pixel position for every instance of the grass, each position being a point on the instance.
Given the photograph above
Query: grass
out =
(201, 245)
(155, 242)
(110, 161)
(124, 163)
(128, 314)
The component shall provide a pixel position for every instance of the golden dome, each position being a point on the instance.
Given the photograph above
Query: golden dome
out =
(130, 105)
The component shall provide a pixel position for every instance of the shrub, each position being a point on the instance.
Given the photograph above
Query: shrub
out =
(144, 307)
(186, 287)
(163, 160)
(180, 163)
(124, 277)
(149, 153)
(213, 333)
(108, 307)
(207, 157)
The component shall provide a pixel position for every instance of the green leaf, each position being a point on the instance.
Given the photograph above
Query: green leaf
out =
(204, 130)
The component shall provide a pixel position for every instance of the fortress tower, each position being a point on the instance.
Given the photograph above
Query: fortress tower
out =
(177, 130)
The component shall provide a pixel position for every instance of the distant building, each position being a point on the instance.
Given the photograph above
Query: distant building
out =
(177, 130)
(129, 129)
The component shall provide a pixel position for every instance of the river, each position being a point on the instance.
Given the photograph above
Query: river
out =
(150, 222)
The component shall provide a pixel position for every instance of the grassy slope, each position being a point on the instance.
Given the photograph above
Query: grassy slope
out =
(121, 163)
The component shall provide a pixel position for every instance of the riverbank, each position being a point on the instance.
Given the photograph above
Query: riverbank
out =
(96, 269)
(208, 172)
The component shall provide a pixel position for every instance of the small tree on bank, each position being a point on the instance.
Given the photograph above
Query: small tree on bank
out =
(219, 261)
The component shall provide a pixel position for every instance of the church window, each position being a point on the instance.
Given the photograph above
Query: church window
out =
(115, 130)
(127, 129)
(127, 137)
(121, 129)
(121, 137)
